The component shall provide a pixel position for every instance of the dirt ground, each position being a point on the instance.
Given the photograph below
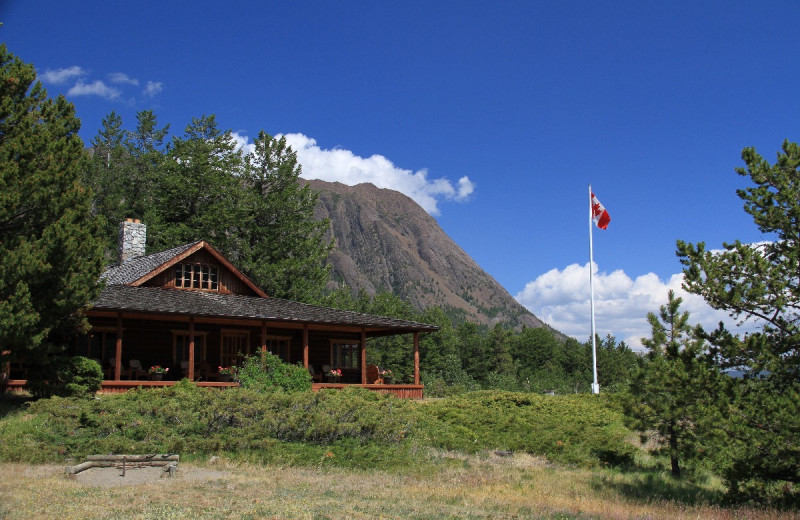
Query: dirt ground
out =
(111, 477)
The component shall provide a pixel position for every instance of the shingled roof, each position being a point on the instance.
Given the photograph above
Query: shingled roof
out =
(151, 300)
(124, 293)
(137, 268)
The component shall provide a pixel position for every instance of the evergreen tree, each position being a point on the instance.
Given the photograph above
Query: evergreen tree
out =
(500, 345)
(668, 393)
(475, 356)
(535, 348)
(123, 173)
(438, 352)
(105, 175)
(284, 249)
(146, 150)
(199, 192)
(50, 251)
(761, 282)
(616, 363)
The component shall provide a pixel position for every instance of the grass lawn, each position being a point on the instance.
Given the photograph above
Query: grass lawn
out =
(456, 486)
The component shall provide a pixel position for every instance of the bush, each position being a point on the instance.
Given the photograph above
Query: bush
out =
(577, 429)
(267, 372)
(67, 376)
(295, 428)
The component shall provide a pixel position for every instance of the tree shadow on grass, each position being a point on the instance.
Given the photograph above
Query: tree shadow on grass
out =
(10, 403)
(653, 485)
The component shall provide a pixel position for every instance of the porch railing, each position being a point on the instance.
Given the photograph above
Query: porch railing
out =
(117, 387)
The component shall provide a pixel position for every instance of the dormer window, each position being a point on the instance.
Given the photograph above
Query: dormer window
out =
(197, 276)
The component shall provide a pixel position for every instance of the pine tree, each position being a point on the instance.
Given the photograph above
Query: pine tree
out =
(146, 152)
(284, 249)
(199, 192)
(105, 175)
(50, 250)
(123, 173)
(760, 281)
(761, 458)
(668, 394)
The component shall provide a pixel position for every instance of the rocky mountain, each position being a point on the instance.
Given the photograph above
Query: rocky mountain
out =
(384, 241)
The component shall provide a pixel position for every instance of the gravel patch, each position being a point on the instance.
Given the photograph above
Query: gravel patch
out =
(111, 477)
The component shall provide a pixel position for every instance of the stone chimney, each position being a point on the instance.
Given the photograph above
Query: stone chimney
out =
(132, 236)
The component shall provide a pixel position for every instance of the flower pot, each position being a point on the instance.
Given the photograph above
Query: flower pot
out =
(225, 378)
(157, 376)
(387, 380)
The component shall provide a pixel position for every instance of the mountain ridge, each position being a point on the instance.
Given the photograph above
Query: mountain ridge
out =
(384, 241)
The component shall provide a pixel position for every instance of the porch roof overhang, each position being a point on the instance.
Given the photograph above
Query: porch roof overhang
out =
(160, 304)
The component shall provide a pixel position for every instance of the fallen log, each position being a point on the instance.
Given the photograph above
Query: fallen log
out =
(168, 461)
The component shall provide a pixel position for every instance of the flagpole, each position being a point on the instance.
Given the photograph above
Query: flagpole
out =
(595, 384)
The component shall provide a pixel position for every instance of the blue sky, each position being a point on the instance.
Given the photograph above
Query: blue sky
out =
(494, 116)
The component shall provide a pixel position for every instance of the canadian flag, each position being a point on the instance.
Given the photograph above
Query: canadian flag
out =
(599, 214)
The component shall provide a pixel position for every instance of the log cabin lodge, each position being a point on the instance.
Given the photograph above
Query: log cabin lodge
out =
(189, 310)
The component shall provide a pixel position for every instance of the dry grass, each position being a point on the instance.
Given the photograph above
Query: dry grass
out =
(469, 487)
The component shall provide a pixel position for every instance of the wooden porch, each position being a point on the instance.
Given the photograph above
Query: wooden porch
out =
(403, 391)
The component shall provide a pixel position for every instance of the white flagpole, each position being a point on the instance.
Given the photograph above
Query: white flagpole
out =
(595, 384)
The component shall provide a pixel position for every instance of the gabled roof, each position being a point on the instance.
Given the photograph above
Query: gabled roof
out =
(124, 293)
(139, 270)
(155, 300)
(133, 270)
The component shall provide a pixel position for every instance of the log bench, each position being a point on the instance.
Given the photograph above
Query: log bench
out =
(168, 461)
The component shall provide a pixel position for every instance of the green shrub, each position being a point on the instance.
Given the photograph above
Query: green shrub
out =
(267, 372)
(81, 377)
(576, 429)
(66, 376)
(190, 420)
(353, 427)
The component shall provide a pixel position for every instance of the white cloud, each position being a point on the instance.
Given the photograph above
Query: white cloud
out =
(339, 165)
(62, 76)
(122, 78)
(561, 298)
(243, 143)
(152, 88)
(96, 88)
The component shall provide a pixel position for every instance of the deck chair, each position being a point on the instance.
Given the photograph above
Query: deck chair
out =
(207, 372)
(314, 376)
(135, 369)
(373, 377)
(108, 370)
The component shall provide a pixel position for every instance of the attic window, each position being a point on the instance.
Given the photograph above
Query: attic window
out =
(197, 276)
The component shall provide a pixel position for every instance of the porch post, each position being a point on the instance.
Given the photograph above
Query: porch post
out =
(263, 338)
(416, 358)
(305, 345)
(363, 356)
(191, 348)
(118, 353)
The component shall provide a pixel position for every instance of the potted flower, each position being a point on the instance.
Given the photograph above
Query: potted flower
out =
(157, 372)
(386, 374)
(335, 375)
(227, 373)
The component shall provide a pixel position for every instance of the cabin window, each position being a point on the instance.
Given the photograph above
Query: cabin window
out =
(345, 354)
(197, 276)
